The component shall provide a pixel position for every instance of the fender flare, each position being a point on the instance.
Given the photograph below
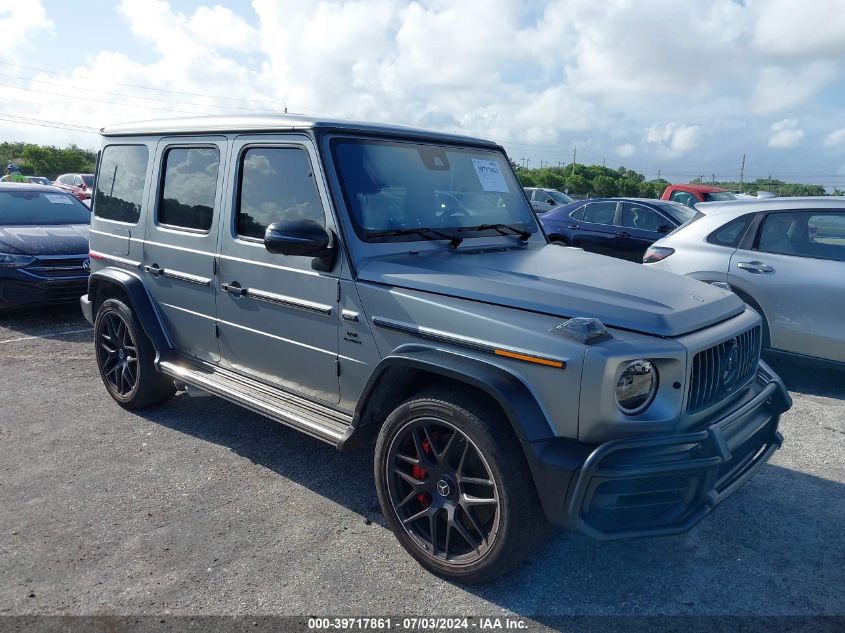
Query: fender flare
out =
(139, 299)
(526, 416)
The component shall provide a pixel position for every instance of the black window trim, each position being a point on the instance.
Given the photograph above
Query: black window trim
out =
(160, 191)
(743, 237)
(236, 209)
(144, 193)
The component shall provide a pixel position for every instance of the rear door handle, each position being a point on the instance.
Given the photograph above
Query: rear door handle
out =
(155, 270)
(755, 267)
(234, 288)
(623, 235)
(574, 226)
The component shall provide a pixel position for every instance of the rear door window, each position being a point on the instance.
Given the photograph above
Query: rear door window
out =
(189, 187)
(121, 183)
(804, 234)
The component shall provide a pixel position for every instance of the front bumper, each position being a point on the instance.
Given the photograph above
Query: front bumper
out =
(664, 485)
(21, 292)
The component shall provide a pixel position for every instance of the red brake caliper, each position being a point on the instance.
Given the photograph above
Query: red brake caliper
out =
(420, 473)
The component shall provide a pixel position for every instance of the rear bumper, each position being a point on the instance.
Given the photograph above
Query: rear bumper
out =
(87, 308)
(664, 485)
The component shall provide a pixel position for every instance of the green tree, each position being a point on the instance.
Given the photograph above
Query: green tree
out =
(605, 186)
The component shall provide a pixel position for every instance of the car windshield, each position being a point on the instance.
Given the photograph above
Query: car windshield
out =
(719, 196)
(557, 196)
(398, 191)
(41, 208)
(88, 179)
(680, 212)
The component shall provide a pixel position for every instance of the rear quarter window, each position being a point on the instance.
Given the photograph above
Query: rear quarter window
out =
(731, 233)
(121, 183)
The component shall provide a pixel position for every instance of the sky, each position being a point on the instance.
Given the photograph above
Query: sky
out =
(684, 87)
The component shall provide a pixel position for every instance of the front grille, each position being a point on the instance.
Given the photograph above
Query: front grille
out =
(719, 371)
(58, 266)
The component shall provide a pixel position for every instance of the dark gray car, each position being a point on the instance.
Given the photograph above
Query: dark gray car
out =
(352, 280)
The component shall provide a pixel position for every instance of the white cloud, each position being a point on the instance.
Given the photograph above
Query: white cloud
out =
(837, 137)
(19, 21)
(779, 89)
(538, 77)
(785, 134)
(674, 139)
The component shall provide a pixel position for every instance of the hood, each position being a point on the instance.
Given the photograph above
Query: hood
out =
(563, 282)
(59, 239)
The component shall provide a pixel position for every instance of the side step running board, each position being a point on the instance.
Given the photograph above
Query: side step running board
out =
(299, 413)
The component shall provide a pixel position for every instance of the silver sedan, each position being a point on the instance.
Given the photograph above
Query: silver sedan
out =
(785, 257)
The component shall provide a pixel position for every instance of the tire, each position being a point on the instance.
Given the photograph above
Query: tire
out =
(432, 455)
(125, 359)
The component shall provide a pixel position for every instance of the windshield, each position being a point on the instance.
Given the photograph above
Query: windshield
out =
(394, 190)
(718, 196)
(680, 212)
(41, 208)
(88, 179)
(557, 196)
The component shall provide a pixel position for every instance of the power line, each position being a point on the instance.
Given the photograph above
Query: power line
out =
(12, 118)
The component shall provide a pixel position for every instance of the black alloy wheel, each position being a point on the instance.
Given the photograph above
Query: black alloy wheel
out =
(117, 354)
(443, 491)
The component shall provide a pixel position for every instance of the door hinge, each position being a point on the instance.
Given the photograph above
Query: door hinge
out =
(337, 366)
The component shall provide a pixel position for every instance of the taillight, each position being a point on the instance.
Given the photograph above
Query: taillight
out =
(657, 254)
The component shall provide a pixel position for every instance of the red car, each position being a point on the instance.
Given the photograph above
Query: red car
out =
(80, 185)
(692, 194)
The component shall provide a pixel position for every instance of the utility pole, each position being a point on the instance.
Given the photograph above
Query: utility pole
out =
(714, 179)
(658, 175)
(573, 159)
(741, 173)
(604, 162)
(522, 160)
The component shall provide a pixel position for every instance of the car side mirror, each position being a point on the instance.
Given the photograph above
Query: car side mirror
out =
(664, 228)
(302, 238)
(550, 201)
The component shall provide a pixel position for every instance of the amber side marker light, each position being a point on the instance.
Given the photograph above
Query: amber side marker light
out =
(530, 359)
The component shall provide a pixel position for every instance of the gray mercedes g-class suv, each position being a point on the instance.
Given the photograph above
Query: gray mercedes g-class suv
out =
(347, 279)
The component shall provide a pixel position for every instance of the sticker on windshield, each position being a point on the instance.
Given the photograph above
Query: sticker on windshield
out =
(490, 175)
(58, 198)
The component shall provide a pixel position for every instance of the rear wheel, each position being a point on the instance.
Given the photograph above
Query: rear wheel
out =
(455, 488)
(125, 358)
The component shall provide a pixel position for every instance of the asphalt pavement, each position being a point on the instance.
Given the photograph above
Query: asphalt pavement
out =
(199, 507)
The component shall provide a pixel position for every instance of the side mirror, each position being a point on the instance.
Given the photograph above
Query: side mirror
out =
(550, 201)
(664, 228)
(302, 238)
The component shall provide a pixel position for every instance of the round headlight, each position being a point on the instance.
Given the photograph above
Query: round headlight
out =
(636, 387)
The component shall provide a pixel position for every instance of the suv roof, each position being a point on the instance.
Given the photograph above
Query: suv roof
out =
(274, 123)
(771, 204)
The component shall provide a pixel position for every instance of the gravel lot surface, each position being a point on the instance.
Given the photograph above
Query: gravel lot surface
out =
(200, 507)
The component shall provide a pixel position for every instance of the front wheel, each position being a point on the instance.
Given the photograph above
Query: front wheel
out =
(455, 488)
(125, 358)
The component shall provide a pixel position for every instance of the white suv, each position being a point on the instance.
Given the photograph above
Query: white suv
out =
(784, 256)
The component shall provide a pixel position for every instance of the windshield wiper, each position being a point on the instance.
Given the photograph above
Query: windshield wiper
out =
(425, 232)
(503, 229)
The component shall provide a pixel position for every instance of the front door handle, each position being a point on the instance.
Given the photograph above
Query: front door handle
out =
(755, 267)
(155, 270)
(233, 288)
(623, 235)
(573, 226)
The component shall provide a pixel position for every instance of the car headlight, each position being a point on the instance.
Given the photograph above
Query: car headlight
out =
(15, 261)
(636, 386)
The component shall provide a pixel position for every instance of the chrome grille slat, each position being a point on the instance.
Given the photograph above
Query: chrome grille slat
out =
(711, 369)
